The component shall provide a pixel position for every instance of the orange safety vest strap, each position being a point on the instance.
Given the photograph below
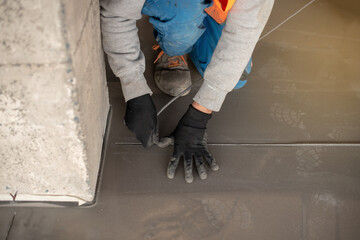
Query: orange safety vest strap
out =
(220, 9)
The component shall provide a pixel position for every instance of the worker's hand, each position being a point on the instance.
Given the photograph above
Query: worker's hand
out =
(190, 142)
(140, 118)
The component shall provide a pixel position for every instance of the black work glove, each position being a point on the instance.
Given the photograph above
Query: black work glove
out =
(141, 119)
(190, 142)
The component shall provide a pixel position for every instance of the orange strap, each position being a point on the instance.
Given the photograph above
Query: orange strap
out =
(173, 61)
(220, 9)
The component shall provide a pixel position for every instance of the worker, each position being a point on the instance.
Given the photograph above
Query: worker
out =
(218, 35)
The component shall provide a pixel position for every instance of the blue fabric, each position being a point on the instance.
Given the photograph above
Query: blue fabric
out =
(247, 69)
(182, 26)
(203, 49)
(178, 24)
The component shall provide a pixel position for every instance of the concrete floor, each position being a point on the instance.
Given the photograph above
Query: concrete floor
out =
(304, 88)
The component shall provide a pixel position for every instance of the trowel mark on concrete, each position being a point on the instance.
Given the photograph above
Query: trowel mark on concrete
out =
(308, 159)
(201, 222)
(163, 229)
(284, 114)
(266, 164)
(230, 211)
(285, 88)
(325, 198)
(196, 219)
(315, 223)
(322, 216)
(274, 68)
(341, 125)
(337, 134)
(190, 219)
(356, 87)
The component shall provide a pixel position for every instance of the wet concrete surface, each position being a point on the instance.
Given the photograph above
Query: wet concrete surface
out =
(304, 88)
(258, 193)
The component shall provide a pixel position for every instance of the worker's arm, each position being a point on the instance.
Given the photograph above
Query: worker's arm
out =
(201, 108)
(122, 46)
(244, 24)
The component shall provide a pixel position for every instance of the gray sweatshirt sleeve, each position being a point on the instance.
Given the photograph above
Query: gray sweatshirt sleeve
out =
(244, 24)
(122, 46)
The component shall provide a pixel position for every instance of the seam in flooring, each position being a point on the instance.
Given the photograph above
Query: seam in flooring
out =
(265, 144)
(304, 217)
(10, 226)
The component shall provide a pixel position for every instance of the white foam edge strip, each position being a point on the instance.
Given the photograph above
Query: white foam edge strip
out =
(42, 198)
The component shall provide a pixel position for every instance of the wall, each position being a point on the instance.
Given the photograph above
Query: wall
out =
(53, 99)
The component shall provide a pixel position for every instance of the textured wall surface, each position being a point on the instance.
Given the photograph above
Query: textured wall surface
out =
(89, 69)
(53, 98)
